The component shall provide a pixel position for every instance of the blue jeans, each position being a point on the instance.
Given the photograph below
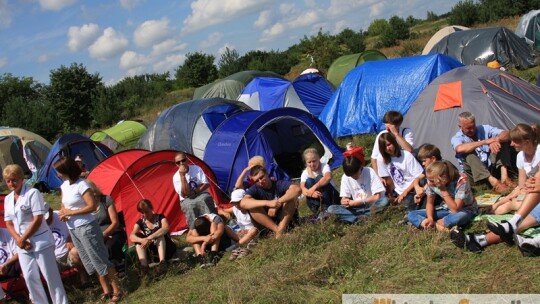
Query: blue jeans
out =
(330, 196)
(460, 218)
(353, 214)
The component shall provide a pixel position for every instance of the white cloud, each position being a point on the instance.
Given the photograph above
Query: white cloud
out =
(274, 31)
(305, 19)
(82, 37)
(339, 7)
(3, 61)
(170, 63)
(340, 25)
(167, 46)
(205, 13)
(108, 45)
(264, 19)
(43, 58)
(376, 9)
(130, 60)
(212, 40)
(136, 71)
(286, 8)
(222, 49)
(55, 5)
(293, 21)
(129, 4)
(5, 14)
(151, 32)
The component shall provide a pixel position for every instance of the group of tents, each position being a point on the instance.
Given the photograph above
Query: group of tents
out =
(261, 113)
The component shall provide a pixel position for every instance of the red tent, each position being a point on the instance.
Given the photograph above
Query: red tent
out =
(132, 175)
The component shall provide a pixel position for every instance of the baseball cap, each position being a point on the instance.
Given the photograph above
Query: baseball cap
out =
(237, 195)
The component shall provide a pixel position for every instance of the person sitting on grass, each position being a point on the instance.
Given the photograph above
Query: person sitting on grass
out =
(427, 154)
(362, 192)
(458, 207)
(247, 231)
(525, 139)
(151, 236)
(316, 182)
(272, 204)
(209, 234)
(527, 216)
(399, 169)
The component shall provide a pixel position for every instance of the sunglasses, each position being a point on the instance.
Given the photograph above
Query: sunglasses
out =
(180, 161)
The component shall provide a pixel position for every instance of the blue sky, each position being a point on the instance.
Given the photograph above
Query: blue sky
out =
(119, 38)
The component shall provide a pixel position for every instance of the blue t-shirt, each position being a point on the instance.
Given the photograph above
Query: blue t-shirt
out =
(482, 132)
(277, 190)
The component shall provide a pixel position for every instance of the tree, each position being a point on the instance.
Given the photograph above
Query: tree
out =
(72, 92)
(377, 27)
(352, 41)
(198, 70)
(323, 47)
(464, 13)
(229, 63)
(14, 87)
(397, 30)
(431, 16)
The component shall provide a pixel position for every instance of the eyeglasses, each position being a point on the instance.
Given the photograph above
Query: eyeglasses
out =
(178, 162)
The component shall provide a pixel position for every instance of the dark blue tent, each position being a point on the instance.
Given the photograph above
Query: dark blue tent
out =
(309, 92)
(375, 87)
(278, 135)
(71, 145)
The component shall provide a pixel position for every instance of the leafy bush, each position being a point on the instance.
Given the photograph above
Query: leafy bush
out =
(464, 13)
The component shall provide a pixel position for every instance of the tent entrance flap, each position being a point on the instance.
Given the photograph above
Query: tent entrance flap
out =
(448, 96)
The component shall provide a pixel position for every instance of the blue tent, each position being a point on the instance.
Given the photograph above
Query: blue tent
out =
(278, 135)
(309, 92)
(375, 87)
(71, 145)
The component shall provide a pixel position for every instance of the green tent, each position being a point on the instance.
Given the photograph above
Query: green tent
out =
(124, 134)
(231, 86)
(341, 66)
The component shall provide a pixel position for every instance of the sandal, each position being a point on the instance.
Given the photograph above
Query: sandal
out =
(116, 297)
(243, 253)
(103, 297)
(234, 254)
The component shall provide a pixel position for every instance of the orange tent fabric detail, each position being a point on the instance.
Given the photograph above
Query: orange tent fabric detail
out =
(448, 96)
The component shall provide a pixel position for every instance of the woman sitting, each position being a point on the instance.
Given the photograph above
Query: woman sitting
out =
(151, 236)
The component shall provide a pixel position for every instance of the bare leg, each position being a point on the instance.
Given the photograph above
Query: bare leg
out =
(141, 254)
(252, 233)
(161, 247)
(289, 208)
(259, 215)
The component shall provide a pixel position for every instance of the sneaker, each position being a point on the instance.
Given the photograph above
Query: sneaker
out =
(527, 249)
(203, 263)
(499, 230)
(458, 238)
(472, 245)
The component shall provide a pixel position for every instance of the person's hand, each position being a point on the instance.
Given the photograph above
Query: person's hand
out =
(346, 202)
(428, 223)
(273, 204)
(69, 246)
(391, 129)
(316, 194)
(3, 269)
(494, 144)
(64, 214)
(532, 185)
(183, 169)
(272, 212)
(145, 243)
(401, 197)
(418, 198)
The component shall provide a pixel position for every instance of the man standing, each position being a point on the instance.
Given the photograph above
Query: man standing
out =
(481, 151)
(191, 185)
(272, 204)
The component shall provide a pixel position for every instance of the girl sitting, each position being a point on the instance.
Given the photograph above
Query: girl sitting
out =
(316, 182)
(458, 207)
(151, 236)
(524, 138)
(398, 168)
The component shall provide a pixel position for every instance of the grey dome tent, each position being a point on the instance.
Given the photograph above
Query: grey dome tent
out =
(480, 46)
(529, 28)
(495, 97)
(187, 126)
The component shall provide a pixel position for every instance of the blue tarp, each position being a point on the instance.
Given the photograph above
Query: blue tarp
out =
(71, 145)
(278, 135)
(375, 87)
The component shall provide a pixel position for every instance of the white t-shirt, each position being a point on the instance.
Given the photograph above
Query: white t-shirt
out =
(72, 198)
(365, 186)
(521, 163)
(406, 133)
(8, 248)
(29, 204)
(195, 177)
(243, 219)
(60, 233)
(325, 168)
(403, 170)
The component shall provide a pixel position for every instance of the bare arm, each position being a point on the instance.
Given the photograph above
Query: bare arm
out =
(401, 141)
(240, 180)
(293, 192)
(113, 216)
(248, 203)
(161, 231)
